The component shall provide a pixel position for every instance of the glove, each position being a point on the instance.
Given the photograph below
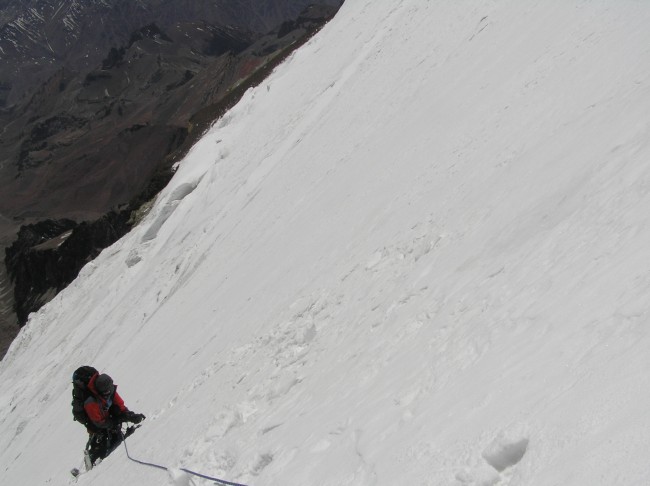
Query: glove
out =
(136, 418)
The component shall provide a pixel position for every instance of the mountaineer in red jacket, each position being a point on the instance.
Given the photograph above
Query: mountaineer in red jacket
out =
(106, 411)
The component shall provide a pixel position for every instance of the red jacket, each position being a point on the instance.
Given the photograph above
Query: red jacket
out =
(99, 409)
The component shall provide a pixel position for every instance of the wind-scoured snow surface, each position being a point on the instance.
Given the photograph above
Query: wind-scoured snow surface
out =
(419, 253)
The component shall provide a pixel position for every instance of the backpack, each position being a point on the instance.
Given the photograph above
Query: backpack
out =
(80, 392)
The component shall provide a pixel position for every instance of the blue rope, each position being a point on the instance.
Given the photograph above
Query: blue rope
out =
(151, 464)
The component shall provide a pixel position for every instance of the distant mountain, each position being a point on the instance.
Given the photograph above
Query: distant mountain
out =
(39, 36)
(86, 141)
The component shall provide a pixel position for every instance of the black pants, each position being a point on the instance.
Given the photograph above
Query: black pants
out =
(101, 444)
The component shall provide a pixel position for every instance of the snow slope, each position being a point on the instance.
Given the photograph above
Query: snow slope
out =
(417, 254)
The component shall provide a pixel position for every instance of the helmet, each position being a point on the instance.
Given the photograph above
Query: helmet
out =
(104, 385)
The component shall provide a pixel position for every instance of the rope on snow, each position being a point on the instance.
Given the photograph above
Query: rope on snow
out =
(193, 473)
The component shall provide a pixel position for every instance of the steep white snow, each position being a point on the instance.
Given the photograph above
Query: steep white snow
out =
(416, 254)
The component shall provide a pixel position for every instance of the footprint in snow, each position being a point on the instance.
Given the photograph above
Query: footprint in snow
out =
(502, 454)
(507, 449)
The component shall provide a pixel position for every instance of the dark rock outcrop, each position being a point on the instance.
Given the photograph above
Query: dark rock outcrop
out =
(48, 255)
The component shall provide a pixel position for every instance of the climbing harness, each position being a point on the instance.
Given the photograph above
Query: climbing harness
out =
(193, 473)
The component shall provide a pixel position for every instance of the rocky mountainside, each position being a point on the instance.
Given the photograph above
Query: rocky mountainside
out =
(94, 144)
(87, 141)
(37, 37)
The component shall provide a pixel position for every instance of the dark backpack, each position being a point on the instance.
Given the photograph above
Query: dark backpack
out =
(80, 392)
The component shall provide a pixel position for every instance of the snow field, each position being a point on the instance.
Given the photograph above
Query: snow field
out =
(416, 254)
